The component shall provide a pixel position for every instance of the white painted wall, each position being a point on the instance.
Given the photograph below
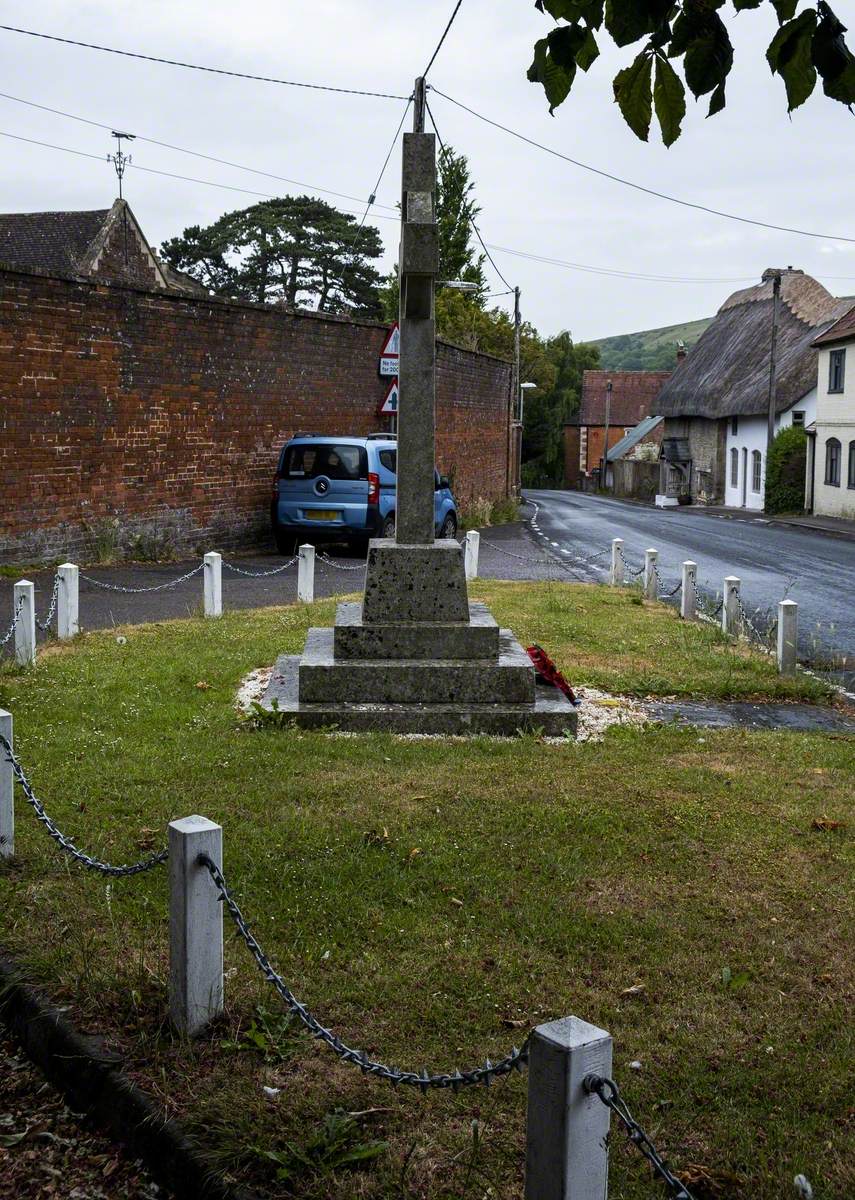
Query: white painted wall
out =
(835, 417)
(750, 438)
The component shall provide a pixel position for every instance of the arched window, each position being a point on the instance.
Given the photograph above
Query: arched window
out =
(851, 480)
(734, 467)
(756, 466)
(832, 462)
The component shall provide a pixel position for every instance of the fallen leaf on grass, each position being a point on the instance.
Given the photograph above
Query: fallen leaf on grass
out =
(513, 1023)
(8, 1140)
(825, 824)
(707, 1184)
(202, 686)
(454, 900)
(635, 990)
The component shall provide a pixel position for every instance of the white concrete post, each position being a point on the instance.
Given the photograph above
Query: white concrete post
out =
(306, 574)
(195, 925)
(67, 602)
(25, 630)
(689, 592)
(616, 573)
(651, 591)
(788, 636)
(567, 1156)
(730, 608)
(472, 545)
(7, 791)
(213, 575)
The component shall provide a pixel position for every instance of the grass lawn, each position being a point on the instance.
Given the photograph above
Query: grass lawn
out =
(433, 900)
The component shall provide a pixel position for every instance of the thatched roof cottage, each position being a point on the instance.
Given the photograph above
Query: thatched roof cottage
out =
(716, 402)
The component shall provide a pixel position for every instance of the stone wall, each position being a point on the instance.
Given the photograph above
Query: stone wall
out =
(707, 446)
(139, 415)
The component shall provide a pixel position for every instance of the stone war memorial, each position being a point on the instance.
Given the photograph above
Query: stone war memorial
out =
(416, 656)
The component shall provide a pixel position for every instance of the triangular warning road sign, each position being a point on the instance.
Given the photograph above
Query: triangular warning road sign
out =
(392, 345)
(390, 404)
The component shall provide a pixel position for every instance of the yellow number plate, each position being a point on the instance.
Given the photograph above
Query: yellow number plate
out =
(322, 514)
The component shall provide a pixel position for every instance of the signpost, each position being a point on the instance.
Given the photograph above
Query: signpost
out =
(390, 353)
(389, 407)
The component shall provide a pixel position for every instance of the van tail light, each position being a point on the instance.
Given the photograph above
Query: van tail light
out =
(276, 479)
(373, 488)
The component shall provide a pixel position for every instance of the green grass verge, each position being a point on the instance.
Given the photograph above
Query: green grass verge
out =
(433, 900)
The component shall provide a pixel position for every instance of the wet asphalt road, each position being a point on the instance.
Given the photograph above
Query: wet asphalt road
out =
(814, 569)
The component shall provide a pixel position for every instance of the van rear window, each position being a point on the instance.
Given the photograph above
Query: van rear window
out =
(325, 458)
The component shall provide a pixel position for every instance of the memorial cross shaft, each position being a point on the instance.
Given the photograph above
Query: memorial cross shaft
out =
(419, 263)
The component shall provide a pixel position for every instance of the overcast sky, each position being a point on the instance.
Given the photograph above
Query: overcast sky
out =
(751, 159)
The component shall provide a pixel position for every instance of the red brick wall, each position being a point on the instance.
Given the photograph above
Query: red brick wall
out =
(153, 410)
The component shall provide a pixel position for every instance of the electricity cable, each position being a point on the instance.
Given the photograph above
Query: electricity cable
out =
(171, 62)
(442, 39)
(373, 195)
(716, 212)
(224, 162)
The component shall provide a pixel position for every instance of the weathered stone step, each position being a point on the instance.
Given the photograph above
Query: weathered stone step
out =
(353, 639)
(551, 713)
(507, 679)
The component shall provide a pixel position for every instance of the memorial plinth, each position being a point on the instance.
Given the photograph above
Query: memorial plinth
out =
(415, 656)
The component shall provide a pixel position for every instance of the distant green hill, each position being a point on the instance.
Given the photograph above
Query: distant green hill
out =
(650, 350)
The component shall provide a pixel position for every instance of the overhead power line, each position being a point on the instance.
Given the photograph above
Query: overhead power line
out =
(619, 273)
(228, 187)
(442, 39)
(638, 187)
(471, 219)
(373, 195)
(223, 162)
(171, 62)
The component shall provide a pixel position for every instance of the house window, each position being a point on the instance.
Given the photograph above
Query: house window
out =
(756, 462)
(836, 370)
(734, 468)
(734, 426)
(851, 480)
(799, 419)
(832, 462)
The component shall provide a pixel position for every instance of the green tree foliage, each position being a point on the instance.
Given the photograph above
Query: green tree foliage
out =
(808, 45)
(785, 471)
(558, 364)
(295, 251)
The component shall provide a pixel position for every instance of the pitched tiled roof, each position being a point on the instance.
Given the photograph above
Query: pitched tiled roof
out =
(634, 395)
(49, 241)
(842, 329)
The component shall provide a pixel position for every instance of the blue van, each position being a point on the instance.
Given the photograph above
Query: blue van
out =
(342, 489)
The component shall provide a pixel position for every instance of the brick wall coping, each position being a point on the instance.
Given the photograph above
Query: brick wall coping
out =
(222, 302)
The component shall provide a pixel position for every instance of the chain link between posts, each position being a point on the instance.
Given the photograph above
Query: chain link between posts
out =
(45, 625)
(64, 842)
(15, 619)
(331, 562)
(358, 1058)
(260, 574)
(609, 1093)
(159, 587)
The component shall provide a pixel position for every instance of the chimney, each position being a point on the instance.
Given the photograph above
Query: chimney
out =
(681, 351)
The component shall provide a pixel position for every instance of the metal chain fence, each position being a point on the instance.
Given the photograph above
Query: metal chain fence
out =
(609, 1093)
(629, 570)
(45, 625)
(15, 619)
(660, 585)
(158, 587)
(64, 842)
(331, 562)
(358, 1058)
(260, 574)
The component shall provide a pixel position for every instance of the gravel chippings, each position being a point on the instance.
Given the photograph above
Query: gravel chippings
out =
(49, 1153)
(597, 712)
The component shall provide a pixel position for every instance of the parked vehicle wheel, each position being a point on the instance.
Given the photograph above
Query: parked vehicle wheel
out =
(389, 526)
(449, 527)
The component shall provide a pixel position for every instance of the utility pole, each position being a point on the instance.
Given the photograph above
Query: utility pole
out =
(419, 259)
(517, 389)
(773, 355)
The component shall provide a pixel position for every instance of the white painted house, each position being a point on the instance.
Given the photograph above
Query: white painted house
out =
(830, 488)
(745, 453)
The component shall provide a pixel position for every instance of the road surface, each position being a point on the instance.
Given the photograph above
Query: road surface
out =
(814, 569)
